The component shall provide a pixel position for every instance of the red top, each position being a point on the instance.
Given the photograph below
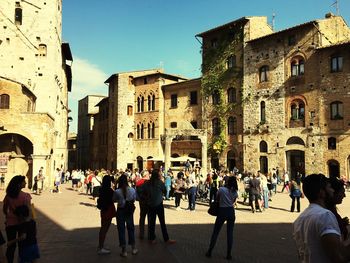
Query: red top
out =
(10, 205)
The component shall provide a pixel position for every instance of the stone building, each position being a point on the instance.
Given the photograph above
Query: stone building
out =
(292, 94)
(34, 82)
(137, 105)
(87, 108)
(222, 85)
(297, 87)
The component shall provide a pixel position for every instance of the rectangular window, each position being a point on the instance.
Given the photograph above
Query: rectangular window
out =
(18, 16)
(173, 103)
(336, 64)
(193, 98)
(173, 125)
(130, 110)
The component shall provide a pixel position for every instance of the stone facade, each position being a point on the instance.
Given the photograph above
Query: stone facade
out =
(287, 120)
(34, 60)
(86, 113)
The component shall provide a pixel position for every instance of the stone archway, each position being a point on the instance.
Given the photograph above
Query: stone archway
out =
(18, 150)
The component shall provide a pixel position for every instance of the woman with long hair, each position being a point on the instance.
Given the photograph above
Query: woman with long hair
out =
(14, 198)
(106, 205)
(125, 196)
(226, 198)
(156, 189)
(295, 193)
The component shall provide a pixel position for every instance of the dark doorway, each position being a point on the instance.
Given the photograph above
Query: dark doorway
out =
(215, 161)
(140, 163)
(231, 161)
(264, 166)
(295, 163)
(333, 168)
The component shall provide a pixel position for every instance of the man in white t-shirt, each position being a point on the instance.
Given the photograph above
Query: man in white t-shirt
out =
(316, 231)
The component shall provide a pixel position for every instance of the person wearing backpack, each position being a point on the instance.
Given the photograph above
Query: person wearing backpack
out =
(106, 205)
(125, 196)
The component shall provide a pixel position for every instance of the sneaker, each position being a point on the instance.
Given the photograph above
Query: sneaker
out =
(171, 242)
(103, 251)
(134, 251)
(124, 254)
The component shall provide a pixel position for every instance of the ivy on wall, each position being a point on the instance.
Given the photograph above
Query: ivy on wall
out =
(217, 77)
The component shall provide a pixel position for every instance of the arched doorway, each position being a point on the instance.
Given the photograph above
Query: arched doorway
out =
(18, 151)
(231, 160)
(333, 168)
(295, 162)
(264, 166)
(139, 163)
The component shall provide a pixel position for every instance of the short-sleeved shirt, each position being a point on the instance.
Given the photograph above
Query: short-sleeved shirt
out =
(254, 186)
(119, 196)
(226, 197)
(22, 199)
(308, 230)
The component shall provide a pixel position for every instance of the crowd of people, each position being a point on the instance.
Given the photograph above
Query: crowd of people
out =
(122, 189)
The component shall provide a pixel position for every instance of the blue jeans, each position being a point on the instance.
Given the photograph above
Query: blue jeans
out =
(225, 214)
(192, 198)
(128, 220)
(167, 188)
(266, 197)
(152, 215)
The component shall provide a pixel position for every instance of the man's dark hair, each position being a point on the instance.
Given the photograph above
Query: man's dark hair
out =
(313, 184)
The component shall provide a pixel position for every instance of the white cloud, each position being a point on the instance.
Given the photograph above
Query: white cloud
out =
(88, 79)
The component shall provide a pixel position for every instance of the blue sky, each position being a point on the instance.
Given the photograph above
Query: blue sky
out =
(113, 36)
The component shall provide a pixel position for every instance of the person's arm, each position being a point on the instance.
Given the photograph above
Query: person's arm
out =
(334, 249)
(19, 238)
(5, 206)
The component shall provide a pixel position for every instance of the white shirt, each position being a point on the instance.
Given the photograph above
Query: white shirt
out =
(308, 229)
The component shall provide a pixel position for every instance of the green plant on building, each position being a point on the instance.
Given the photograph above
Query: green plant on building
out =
(218, 75)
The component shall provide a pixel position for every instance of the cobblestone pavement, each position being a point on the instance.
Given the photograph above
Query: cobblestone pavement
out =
(68, 225)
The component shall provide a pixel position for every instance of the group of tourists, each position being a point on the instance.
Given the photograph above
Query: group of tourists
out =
(318, 229)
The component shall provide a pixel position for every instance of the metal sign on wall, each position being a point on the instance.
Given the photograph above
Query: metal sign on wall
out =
(4, 159)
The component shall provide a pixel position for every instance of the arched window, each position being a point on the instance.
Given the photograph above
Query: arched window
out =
(18, 16)
(216, 97)
(295, 140)
(263, 74)
(332, 143)
(216, 126)
(42, 50)
(142, 130)
(297, 110)
(4, 101)
(130, 135)
(149, 103)
(262, 112)
(231, 125)
(142, 104)
(139, 104)
(263, 147)
(153, 105)
(297, 66)
(336, 110)
(153, 130)
(149, 131)
(138, 131)
(231, 95)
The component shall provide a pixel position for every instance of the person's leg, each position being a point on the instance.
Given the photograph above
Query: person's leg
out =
(152, 223)
(143, 213)
(11, 233)
(177, 199)
(105, 224)
(220, 220)
(230, 223)
(167, 195)
(298, 204)
(121, 228)
(131, 229)
(266, 198)
(161, 217)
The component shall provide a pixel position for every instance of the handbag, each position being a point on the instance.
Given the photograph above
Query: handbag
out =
(213, 209)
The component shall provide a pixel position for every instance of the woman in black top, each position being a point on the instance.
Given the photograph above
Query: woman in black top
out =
(106, 205)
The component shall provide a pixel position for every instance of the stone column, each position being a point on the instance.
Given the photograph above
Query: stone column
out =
(167, 152)
(204, 168)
